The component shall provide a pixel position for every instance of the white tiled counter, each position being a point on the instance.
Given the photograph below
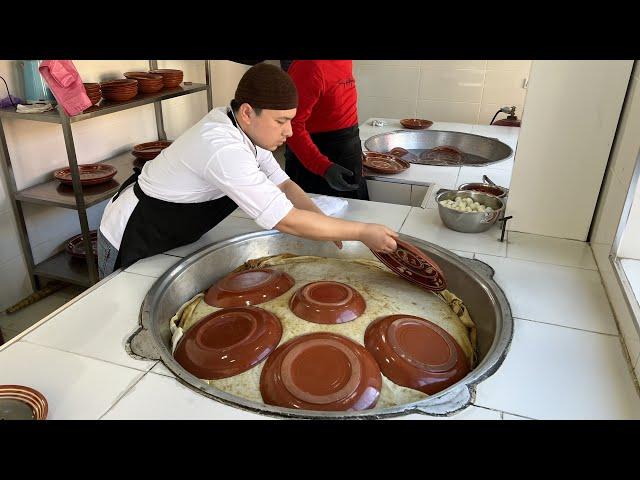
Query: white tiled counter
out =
(566, 359)
(409, 187)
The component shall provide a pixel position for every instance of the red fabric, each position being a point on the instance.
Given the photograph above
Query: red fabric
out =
(66, 85)
(327, 101)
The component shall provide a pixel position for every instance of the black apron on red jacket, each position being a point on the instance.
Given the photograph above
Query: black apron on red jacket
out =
(340, 146)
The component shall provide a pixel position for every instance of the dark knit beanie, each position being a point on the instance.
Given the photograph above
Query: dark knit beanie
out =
(267, 86)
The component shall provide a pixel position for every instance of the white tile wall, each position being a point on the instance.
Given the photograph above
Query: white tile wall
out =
(15, 282)
(504, 87)
(452, 85)
(444, 111)
(466, 91)
(388, 81)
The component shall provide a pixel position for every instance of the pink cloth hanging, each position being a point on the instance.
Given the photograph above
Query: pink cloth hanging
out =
(66, 85)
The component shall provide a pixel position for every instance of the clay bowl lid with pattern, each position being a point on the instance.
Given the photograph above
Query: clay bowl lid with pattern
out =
(321, 371)
(228, 342)
(415, 123)
(90, 174)
(249, 287)
(413, 264)
(416, 353)
(443, 154)
(403, 154)
(327, 302)
(384, 163)
(18, 402)
(75, 245)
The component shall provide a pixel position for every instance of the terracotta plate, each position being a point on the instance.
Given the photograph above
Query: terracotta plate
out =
(228, 342)
(413, 264)
(249, 287)
(75, 246)
(150, 150)
(403, 154)
(18, 402)
(90, 174)
(321, 371)
(327, 302)
(416, 353)
(415, 123)
(444, 154)
(384, 163)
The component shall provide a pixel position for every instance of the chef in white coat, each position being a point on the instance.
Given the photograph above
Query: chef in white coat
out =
(223, 162)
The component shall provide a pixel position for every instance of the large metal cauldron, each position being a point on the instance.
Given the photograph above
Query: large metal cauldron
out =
(471, 280)
(478, 150)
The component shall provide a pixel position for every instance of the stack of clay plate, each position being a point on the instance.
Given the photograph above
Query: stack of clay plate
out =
(172, 78)
(119, 90)
(147, 82)
(93, 92)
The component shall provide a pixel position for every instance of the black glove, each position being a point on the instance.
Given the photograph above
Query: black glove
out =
(335, 177)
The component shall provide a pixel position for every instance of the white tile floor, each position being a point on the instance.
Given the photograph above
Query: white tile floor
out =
(80, 330)
(14, 323)
(572, 297)
(556, 251)
(76, 387)
(554, 372)
(172, 401)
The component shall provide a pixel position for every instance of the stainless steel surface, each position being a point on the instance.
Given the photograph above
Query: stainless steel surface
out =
(486, 179)
(469, 222)
(477, 150)
(469, 279)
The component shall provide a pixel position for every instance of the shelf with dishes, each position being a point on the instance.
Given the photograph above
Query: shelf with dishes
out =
(99, 181)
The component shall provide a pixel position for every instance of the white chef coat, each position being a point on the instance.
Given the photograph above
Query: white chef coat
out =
(208, 161)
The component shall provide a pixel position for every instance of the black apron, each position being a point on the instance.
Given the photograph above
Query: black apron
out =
(340, 146)
(156, 226)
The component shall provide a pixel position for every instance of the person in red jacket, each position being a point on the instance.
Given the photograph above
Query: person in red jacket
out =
(324, 154)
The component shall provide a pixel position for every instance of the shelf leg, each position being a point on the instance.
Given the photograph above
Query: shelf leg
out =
(157, 106)
(77, 189)
(18, 213)
(207, 73)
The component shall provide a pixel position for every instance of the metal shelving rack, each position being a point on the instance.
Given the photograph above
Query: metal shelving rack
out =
(51, 192)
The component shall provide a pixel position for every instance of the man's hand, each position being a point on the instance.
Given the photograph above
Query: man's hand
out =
(336, 176)
(379, 238)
